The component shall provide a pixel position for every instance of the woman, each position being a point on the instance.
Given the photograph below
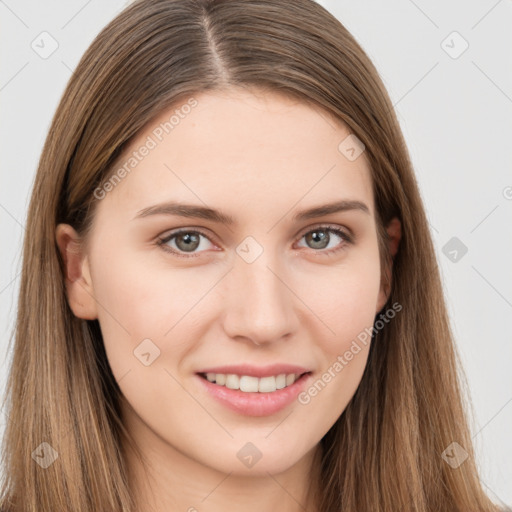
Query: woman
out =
(229, 297)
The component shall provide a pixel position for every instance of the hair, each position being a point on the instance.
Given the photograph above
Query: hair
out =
(384, 452)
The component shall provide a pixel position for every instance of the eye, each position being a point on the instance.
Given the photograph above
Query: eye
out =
(184, 241)
(321, 236)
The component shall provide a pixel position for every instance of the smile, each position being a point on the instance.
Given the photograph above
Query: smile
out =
(250, 384)
(254, 396)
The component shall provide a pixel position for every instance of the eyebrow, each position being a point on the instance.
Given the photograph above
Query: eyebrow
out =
(205, 213)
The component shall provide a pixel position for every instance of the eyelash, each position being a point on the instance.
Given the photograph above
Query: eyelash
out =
(347, 239)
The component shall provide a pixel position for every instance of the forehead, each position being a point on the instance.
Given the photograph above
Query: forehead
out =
(238, 150)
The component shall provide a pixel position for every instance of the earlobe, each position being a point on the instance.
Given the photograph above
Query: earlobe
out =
(394, 232)
(77, 277)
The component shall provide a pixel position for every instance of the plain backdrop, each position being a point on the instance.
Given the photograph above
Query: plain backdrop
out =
(448, 69)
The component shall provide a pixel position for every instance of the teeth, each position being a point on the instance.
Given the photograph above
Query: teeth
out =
(281, 381)
(290, 379)
(250, 384)
(232, 381)
(267, 385)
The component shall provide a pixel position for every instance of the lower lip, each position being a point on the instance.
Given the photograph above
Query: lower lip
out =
(256, 404)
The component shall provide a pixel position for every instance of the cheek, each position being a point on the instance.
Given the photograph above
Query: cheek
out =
(345, 299)
(139, 302)
(347, 307)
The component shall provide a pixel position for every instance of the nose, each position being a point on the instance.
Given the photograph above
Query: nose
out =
(258, 306)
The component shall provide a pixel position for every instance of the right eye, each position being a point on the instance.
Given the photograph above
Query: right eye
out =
(184, 241)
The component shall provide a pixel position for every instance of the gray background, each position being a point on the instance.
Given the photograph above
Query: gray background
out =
(455, 110)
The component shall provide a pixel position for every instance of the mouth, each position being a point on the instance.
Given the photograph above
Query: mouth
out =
(249, 395)
(251, 384)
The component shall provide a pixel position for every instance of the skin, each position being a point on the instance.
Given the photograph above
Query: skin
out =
(259, 157)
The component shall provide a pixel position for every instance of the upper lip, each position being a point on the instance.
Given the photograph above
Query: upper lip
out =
(257, 371)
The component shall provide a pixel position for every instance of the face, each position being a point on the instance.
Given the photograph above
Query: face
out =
(239, 290)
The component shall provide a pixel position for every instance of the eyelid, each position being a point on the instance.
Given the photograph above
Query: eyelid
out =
(346, 232)
(187, 229)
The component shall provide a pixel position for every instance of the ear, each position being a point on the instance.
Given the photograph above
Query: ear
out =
(394, 232)
(77, 276)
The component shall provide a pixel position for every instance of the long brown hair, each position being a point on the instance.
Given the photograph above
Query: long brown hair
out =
(384, 453)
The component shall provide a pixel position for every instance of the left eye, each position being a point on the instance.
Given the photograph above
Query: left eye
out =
(321, 237)
(188, 241)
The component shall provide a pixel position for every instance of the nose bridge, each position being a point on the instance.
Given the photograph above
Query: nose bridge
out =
(259, 305)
